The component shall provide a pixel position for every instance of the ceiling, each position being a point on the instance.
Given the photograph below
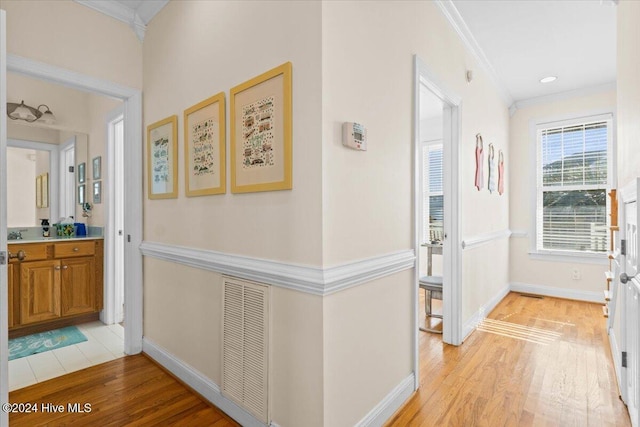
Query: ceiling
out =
(521, 41)
(517, 42)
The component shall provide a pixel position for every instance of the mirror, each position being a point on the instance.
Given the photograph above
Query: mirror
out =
(41, 183)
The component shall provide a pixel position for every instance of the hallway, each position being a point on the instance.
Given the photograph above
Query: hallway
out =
(535, 361)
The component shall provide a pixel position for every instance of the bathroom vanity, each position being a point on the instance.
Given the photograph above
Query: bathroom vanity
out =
(54, 283)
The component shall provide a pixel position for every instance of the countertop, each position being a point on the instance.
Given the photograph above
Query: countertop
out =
(54, 239)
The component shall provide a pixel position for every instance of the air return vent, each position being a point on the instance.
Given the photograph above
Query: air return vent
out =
(245, 337)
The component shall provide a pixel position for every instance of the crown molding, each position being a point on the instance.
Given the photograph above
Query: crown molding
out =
(452, 14)
(125, 14)
(561, 96)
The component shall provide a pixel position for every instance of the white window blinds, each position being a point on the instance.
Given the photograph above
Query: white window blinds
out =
(572, 187)
(433, 199)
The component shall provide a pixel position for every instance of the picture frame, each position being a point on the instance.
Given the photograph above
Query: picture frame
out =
(261, 132)
(45, 190)
(82, 177)
(97, 167)
(97, 192)
(81, 194)
(162, 159)
(204, 147)
(39, 191)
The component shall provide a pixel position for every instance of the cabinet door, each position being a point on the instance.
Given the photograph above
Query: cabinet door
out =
(39, 291)
(78, 286)
(10, 299)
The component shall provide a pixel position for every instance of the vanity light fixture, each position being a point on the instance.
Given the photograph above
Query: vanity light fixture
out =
(29, 114)
(548, 79)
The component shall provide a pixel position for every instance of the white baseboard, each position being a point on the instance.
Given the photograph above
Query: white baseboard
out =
(471, 324)
(550, 291)
(390, 404)
(198, 382)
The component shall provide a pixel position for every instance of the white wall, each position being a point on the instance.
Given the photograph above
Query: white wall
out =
(524, 269)
(21, 196)
(628, 93)
(368, 196)
(99, 107)
(628, 97)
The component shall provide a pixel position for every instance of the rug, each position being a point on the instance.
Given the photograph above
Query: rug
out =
(44, 341)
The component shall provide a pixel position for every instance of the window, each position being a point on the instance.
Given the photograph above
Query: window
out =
(433, 199)
(573, 177)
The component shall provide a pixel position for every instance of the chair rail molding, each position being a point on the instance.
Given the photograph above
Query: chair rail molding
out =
(308, 279)
(482, 239)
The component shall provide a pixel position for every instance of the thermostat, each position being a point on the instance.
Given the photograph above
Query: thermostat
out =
(354, 135)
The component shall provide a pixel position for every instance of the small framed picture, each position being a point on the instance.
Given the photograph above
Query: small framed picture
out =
(81, 193)
(97, 167)
(204, 147)
(39, 191)
(82, 177)
(162, 159)
(97, 192)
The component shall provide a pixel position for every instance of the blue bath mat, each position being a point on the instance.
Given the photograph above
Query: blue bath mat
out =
(44, 341)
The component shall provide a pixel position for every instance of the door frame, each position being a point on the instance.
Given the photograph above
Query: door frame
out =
(110, 314)
(132, 104)
(452, 249)
(4, 293)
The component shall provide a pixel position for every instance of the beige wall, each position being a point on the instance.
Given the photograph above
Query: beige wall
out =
(71, 36)
(193, 50)
(283, 225)
(367, 346)
(368, 196)
(524, 269)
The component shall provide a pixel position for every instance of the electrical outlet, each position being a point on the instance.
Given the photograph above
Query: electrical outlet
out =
(575, 274)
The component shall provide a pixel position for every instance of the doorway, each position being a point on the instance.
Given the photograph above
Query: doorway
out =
(433, 97)
(132, 128)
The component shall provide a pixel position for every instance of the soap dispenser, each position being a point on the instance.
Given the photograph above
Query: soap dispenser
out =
(45, 227)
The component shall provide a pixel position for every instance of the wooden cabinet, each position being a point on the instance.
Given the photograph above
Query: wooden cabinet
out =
(56, 284)
(39, 291)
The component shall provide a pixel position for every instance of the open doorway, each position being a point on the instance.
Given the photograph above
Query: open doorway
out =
(439, 201)
(431, 233)
(132, 107)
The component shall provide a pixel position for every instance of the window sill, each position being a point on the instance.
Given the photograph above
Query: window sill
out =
(569, 257)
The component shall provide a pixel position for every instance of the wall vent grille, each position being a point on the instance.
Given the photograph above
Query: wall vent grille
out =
(245, 338)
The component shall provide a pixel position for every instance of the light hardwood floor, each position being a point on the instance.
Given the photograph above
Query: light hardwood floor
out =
(535, 362)
(130, 391)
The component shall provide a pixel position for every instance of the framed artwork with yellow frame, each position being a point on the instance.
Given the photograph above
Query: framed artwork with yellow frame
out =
(261, 132)
(162, 159)
(204, 147)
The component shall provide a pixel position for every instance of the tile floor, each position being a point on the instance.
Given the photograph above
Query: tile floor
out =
(104, 343)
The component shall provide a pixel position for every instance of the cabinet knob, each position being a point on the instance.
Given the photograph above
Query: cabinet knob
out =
(76, 249)
(21, 255)
(64, 267)
(57, 267)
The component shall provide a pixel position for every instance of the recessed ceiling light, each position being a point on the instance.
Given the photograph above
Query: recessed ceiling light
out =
(548, 79)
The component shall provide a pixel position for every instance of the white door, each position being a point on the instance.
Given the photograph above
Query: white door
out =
(630, 287)
(4, 307)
